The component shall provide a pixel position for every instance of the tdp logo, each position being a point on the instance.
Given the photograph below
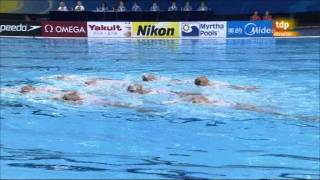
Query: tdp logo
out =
(284, 28)
(284, 24)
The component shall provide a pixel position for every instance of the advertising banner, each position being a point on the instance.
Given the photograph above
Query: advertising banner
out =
(214, 29)
(249, 29)
(109, 29)
(64, 29)
(20, 28)
(209, 29)
(284, 28)
(156, 29)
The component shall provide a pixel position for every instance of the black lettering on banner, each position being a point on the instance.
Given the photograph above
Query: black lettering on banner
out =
(170, 32)
(141, 30)
(22, 28)
(152, 30)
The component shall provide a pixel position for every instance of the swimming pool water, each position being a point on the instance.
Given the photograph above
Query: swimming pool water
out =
(43, 138)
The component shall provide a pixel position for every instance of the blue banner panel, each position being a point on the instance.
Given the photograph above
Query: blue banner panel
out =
(249, 29)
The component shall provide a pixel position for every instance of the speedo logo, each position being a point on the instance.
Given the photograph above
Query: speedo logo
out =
(152, 30)
(17, 28)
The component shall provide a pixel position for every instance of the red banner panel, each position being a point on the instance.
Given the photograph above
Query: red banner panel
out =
(64, 29)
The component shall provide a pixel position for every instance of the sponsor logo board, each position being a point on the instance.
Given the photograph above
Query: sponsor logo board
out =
(156, 29)
(213, 29)
(249, 29)
(109, 29)
(64, 29)
(209, 29)
(284, 28)
(20, 28)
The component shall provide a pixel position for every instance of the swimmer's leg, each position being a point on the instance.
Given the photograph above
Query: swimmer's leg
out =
(264, 110)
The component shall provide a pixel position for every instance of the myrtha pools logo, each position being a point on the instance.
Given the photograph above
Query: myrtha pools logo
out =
(189, 29)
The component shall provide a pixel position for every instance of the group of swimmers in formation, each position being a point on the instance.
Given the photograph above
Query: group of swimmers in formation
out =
(78, 98)
(74, 96)
(138, 89)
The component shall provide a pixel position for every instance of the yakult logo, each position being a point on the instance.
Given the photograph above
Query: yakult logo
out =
(64, 29)
(105, 28)
(109, 29)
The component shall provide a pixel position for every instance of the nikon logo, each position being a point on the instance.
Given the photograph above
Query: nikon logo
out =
(152, 30)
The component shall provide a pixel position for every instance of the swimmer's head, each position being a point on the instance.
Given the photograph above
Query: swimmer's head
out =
(199, 99)
(148, 77)
(72, 96)
(27, 89)
(135, 88)
(201, 81)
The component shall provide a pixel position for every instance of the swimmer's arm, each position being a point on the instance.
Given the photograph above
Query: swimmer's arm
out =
(177, 81)
(310, 118)
(48, 90)
(184, 94)
(117, 104)
(245, 88)
(231, 86)
(249, 107)
(170, 102)
(61, 100)
(146, 91)
(8, 91)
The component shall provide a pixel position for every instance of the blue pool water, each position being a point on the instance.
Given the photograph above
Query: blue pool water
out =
(46, 138)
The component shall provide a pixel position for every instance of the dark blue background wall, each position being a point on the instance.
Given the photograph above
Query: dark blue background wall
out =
(218, 6)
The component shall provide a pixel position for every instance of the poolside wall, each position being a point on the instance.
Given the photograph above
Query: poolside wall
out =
(206, 30)
(220, 7)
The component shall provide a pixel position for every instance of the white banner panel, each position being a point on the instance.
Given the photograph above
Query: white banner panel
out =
(208, 29)
(109, 29)
(213, 29)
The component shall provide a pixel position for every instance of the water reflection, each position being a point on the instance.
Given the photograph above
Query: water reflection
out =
(142, 165)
